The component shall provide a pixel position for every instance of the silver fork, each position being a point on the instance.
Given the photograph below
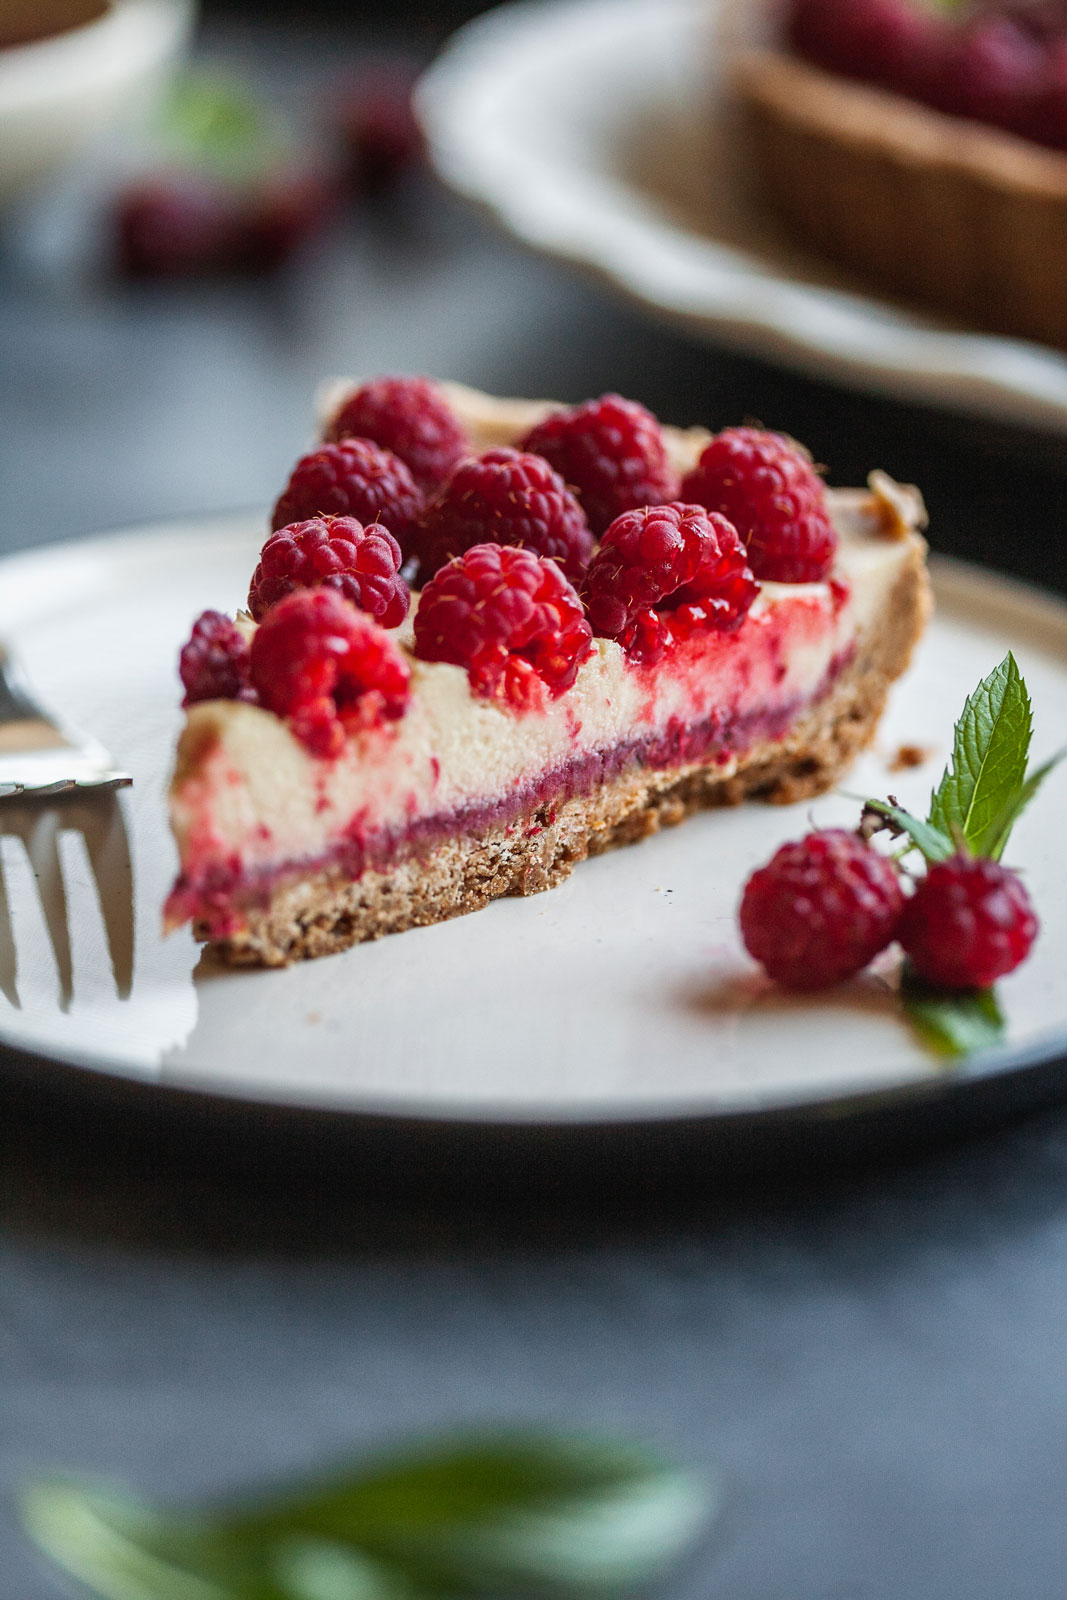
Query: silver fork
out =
(53, 780)
(39, 758)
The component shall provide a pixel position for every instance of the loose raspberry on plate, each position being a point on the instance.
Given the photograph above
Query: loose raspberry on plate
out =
(363, 564)
(510, 618)
(214, 663)
(410, 417)
(328, 668)
(664, 573)
(352, 478)
(610, 452)
(969, 922)
(767, 487)
(510, 498)
(821, 909)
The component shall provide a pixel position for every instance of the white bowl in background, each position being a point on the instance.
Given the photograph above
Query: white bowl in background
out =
(57, 92)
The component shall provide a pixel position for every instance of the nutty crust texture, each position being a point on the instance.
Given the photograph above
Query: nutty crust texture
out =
(326, 912)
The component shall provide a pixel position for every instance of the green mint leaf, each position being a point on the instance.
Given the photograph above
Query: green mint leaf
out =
(516, 1511)
(951, 1022)
(316, 1569)
(1001, 827)
(520, 1513)
(934, 845)
(988, 764)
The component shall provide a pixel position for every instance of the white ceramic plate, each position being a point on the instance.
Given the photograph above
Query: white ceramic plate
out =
(588, 127)
(622, 995)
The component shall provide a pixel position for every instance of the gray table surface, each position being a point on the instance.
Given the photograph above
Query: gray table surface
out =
(874, 1362)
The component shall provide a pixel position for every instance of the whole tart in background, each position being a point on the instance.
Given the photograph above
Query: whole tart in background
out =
(929, 203)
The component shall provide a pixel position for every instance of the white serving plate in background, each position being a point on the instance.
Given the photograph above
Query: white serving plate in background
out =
(592, 130)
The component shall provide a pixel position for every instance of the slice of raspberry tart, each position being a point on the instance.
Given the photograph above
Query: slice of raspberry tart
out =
(357, 760)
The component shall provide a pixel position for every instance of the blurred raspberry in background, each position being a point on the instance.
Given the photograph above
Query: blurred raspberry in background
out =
(379, 137)
(232, 188)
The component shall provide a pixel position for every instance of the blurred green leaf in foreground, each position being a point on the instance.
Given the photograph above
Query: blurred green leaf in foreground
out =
(504, 1513)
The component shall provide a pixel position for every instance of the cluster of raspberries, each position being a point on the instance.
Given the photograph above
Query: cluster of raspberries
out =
(1003, 62)
(824, 906)
(503, 546)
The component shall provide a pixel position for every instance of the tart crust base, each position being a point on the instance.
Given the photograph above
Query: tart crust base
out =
(326, 912)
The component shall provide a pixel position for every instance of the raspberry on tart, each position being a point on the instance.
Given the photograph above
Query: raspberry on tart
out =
(390, 780)
(509, 617)
(214, 663)
(410, 417)
(767, 487)
(891, 42)
(352, 478)
(610, 452)
(988, 65)
(992, 71)
(510, 497)
(363, 564)
(327, 669)
(664, 573)
(821, 909)
(1049, 112)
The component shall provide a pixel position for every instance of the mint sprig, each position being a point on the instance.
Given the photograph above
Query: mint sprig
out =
(1017, 802)
(983, 792)
(513, 1512)
(935, 845)
(985, 785)
(988, 766)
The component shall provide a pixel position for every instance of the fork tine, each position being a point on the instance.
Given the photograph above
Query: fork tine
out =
(8, 955)
(41, 838)
(39, 756)
(108, 846)
(47, 791)
(107, 783)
